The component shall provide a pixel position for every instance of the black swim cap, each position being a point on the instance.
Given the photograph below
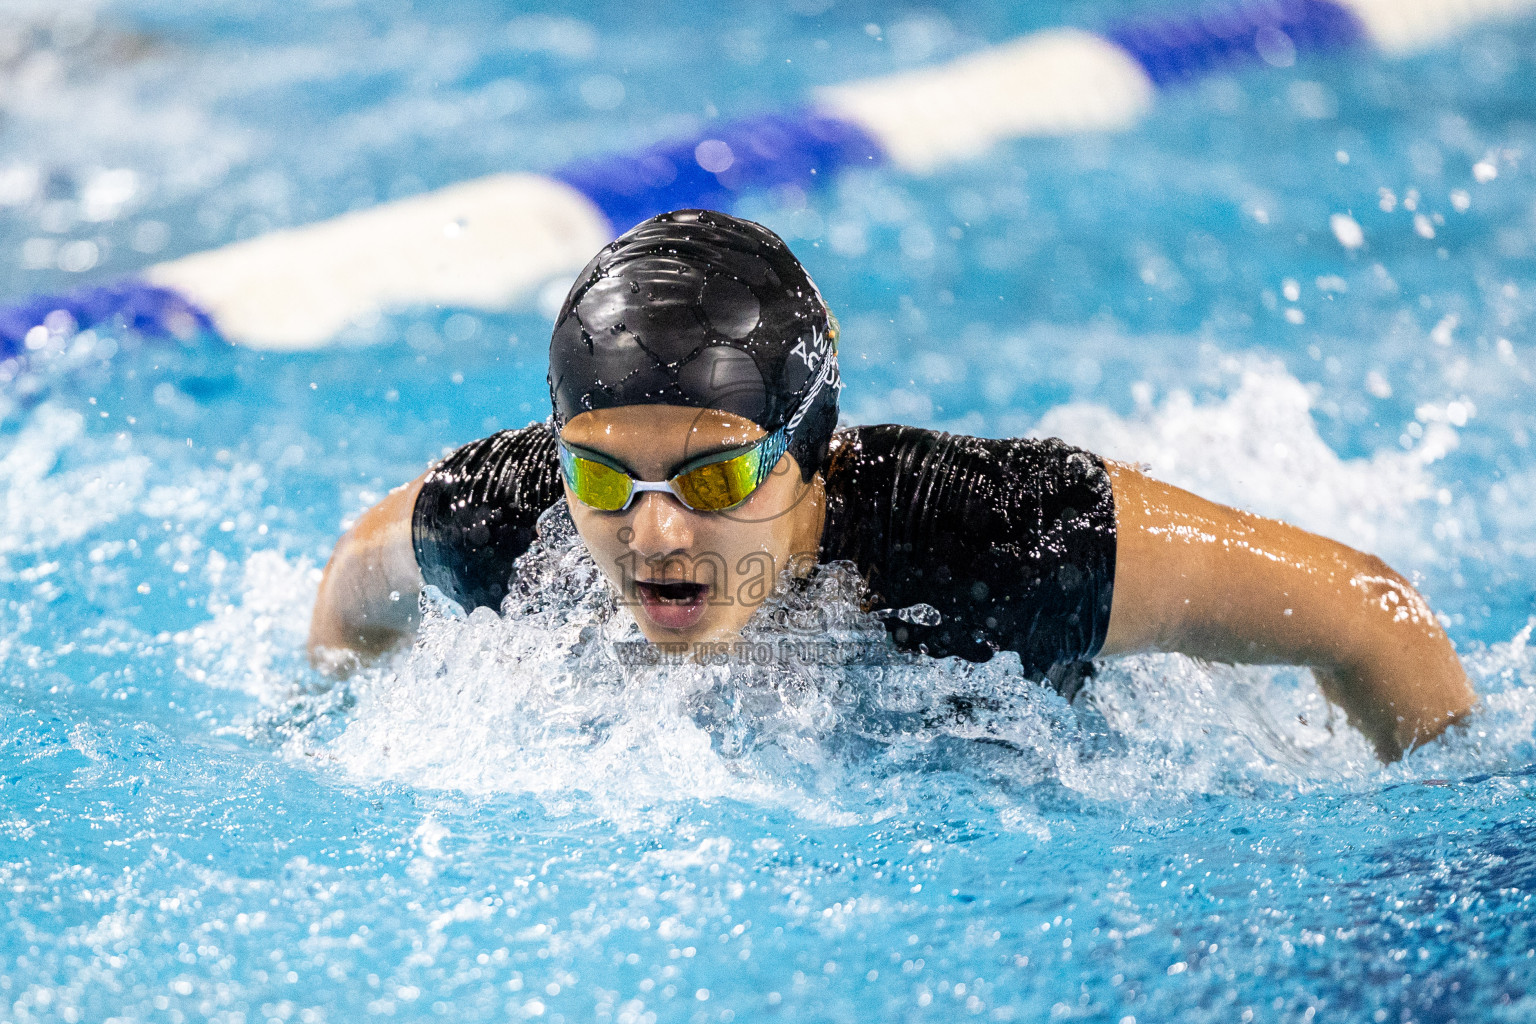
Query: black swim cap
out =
(701, 309)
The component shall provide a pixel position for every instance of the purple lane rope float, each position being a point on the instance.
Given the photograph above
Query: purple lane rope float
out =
(493, 242)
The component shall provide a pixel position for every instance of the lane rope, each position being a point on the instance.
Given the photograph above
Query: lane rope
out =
(492, 242)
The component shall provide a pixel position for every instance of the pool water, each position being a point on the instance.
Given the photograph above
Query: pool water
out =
(509, 822)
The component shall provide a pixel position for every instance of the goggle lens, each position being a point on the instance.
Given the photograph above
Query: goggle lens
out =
(712, 487)
(720, 485)
(602, 487)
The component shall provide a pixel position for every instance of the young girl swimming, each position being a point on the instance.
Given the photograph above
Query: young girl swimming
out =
(693, 374)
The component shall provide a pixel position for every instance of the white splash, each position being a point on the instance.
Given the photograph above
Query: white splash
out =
(45, 506)
(1259, 449)
(541, 702)
(255, 641)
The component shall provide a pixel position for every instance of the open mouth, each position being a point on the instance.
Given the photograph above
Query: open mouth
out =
(673, 605)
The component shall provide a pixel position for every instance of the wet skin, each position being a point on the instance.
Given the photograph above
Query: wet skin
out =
(1224, 585)
(1191, 577)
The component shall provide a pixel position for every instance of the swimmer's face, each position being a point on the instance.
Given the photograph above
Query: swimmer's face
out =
(689, 576)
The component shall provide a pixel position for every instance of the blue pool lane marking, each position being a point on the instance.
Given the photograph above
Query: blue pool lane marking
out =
(1178, 50)
(157, 314)
(708, 173)
(493, 242)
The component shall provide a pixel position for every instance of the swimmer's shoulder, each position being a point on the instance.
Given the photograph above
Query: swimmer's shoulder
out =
(523, 456)
(1011, 540)
(891, 488)
(896, 448)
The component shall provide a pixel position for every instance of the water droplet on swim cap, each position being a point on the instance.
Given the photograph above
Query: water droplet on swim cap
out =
(704, 310)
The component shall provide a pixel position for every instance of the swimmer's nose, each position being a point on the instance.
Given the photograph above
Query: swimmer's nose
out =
(660, 527)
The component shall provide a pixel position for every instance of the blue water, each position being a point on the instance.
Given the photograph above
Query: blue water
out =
(503, 823)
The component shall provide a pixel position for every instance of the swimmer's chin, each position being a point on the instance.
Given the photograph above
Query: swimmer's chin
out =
(674, 640)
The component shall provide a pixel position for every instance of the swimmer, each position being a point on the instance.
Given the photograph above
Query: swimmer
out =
(694, 378)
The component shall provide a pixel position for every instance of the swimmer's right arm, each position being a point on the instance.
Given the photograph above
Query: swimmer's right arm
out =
(368, 600)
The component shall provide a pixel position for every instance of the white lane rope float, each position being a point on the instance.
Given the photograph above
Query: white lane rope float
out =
(491, 243)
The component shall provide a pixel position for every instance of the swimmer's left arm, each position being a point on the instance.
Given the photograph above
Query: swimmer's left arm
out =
(1213, 582)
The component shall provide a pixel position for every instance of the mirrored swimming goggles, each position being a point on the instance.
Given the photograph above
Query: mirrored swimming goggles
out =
(713, 483)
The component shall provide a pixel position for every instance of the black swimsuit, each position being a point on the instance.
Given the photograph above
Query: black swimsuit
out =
(1012, 541)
